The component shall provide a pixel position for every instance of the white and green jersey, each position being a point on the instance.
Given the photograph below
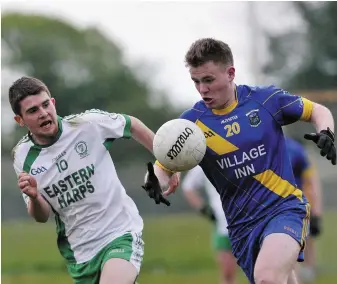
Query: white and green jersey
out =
(195, 179)
(77, 177)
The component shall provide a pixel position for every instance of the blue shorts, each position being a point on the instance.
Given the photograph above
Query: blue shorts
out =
(292, 222)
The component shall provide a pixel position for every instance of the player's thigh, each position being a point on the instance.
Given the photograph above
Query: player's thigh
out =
(122, 261)
(117, 270)
(277, 258)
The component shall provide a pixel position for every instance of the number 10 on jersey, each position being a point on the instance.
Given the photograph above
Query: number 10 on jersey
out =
(62, 166)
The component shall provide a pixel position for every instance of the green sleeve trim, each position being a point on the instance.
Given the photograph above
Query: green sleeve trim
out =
(127, 128)
(108, 143)
(33, 153)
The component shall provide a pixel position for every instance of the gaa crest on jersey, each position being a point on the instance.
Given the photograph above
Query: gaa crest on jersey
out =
(254, 117)
(82, 149)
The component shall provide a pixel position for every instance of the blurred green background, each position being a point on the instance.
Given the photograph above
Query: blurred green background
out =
(84, 68)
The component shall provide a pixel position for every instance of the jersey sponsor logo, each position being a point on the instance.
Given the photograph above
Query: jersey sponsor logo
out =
(38, 171)
(234, 117)
(81, 149)
(254, 117)
(72, 188)
(179, 144)
(238, 161)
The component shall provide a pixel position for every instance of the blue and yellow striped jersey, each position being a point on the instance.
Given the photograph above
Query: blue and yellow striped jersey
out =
(299, 161)
(246, 157)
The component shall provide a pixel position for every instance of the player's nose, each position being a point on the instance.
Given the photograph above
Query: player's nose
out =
(43, 113)
(203, 89)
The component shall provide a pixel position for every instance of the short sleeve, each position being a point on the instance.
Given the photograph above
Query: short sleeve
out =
(194, 179)
(285, 107)
(110, 125)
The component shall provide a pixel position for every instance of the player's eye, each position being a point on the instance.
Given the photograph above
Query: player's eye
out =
(32, 110)
(208, 80)
(45, 104)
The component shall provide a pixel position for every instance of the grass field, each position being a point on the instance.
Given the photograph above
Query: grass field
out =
(177, 250)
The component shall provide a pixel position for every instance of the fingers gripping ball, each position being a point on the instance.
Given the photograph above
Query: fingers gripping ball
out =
(179, 145)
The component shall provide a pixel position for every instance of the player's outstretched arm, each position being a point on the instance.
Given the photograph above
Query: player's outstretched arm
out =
(323, 121)
(141, 133)
(38, 208)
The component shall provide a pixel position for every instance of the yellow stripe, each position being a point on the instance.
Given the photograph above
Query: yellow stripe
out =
(305, 227)
(162, 167)
(278, 185)
(215, 142)
(307, 109)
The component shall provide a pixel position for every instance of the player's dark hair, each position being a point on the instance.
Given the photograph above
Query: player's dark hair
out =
(22, 88)
(208, 49)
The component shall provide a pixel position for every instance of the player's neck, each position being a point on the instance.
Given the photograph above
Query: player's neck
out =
(44, 140)
(230, 98)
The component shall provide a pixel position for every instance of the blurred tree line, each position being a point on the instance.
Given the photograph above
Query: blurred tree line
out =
(83, 69)
(305, 59)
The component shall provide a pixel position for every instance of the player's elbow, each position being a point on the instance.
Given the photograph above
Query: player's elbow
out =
(41, 218)
(319, 111)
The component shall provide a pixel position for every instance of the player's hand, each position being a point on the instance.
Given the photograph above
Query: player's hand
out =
(315, 226)
(208, 212)
(152, 186)
(173, 184)
(28, 185)
(325, 141)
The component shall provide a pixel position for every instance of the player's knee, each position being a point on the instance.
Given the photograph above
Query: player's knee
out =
(268, 276)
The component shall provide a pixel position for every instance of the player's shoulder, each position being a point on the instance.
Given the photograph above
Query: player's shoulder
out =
(89, 116)
(258, 92)
(195, 112)
(21, 147)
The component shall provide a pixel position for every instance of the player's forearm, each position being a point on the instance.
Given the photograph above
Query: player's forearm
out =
(141, 133)
(39, 209)
(322, 118)
(163, 176)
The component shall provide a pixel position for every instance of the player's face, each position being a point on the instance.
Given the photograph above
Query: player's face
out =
(214, 82)
(38, 114)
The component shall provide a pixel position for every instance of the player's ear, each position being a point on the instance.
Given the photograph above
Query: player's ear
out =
(19, 120)
(231, 73)
(53, 101)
